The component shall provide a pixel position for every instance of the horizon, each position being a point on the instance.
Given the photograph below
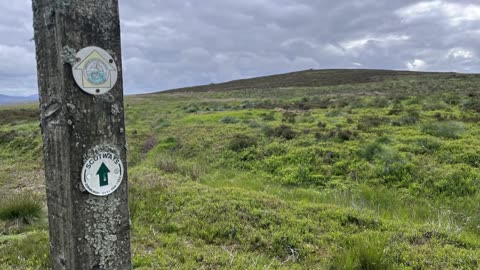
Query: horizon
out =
(35, 95)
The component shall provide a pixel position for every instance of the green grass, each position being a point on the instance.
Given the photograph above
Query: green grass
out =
(313, 170)
(22, 207)
(25, 251)
(365, 252)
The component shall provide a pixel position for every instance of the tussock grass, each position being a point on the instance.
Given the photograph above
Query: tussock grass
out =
(22, 207)
(229, 120)
(365, 251)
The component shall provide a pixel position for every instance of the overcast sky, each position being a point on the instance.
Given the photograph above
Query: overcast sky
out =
(174, 43)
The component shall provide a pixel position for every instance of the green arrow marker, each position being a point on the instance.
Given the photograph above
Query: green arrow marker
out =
(103, 175)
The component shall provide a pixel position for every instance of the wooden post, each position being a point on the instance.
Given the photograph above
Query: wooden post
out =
(87, 231)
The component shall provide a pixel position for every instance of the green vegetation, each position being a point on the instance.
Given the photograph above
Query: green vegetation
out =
(450, 129)
(24, 208)
(311, 170)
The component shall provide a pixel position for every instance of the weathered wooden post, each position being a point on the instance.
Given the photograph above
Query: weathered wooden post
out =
(82, 119)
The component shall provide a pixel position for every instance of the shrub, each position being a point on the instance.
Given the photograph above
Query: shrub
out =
(379, 102)
(384, 140)
(358, 103)
(337, 134)
(334, 113)
(447, 129)
(167, 164)
(321, 103)
(149, 143)
(371, 121)
(191, 108)
(282, 131)
(459, 181)
(344, 102)
(274, 149)
(25, 208)
(466, 117)
(161, 123)
(253, 124)
(307, 119)
(410, 118)
(15, 116)
(303, 106)
(391, 166)
(321, 136)
(247, 104)
(321, 125)
(170, 143)
(268, 117)
(472, 104)
(432, 105)
(346, 135)
(452, 99)
(7, 136)
(241, 141)
(397, 109)
(229, 120)
(300, 174)
(289, 117)
(427, 145)
(438, 116)
(371, 150)
(191, 169)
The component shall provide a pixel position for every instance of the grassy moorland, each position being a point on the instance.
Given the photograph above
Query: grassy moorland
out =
(311, 170)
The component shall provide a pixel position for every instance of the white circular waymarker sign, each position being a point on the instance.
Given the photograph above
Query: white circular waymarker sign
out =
(95, 70)
(102, 174)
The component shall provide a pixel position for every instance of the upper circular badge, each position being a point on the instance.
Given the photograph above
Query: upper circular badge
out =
(95, 71)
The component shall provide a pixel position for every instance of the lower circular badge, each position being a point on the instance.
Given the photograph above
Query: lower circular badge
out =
(102, 174)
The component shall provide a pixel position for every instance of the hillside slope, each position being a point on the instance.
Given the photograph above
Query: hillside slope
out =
(361, 170)
(317, 78)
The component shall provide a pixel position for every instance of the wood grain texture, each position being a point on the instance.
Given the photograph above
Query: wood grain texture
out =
(86, 232)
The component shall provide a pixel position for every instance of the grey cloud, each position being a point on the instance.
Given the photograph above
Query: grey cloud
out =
(17, 56)
(170, 43)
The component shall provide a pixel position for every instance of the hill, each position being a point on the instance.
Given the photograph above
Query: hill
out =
(317, 78)
(10, 100)
(351, 169)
